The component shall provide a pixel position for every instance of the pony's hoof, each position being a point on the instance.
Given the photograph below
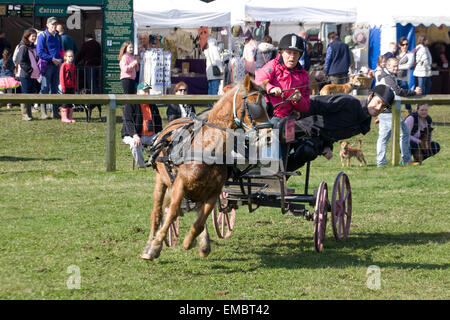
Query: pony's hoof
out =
(204, 253)
(145, 256)
(187, 245)
(204, 249)
(154, 254)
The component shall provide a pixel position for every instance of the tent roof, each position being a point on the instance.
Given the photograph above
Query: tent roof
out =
(178, 13)
(301, 10)
(237, 8)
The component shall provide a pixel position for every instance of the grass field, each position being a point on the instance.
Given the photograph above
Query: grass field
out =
(61, 213)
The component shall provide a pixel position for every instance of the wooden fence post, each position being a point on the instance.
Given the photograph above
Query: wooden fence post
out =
(396, 131)
(111, 134)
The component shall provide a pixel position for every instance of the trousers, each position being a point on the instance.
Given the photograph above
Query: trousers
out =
(384, 134)
(137, 151)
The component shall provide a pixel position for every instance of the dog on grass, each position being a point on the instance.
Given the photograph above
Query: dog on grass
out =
(348, 151)
(424, 149)
(332, 88)
(89, 107)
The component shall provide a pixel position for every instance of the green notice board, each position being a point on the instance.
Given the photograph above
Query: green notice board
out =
(118, 27)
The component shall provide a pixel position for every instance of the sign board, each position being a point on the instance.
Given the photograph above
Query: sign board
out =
(51, 11)
(14, 10)
(27, 10)
(57, 2)
(118, 28)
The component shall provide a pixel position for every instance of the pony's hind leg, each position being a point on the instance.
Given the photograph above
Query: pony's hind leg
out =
(155, 217)
(177, 195)
(199, 227)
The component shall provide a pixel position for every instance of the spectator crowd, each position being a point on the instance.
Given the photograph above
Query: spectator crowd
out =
(49, 62)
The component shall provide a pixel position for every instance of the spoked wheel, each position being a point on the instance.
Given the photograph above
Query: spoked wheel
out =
(173, 231)
(223, 217)
(320, 216)
(341, 207)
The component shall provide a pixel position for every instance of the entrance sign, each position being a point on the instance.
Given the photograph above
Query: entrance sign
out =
(118, 28)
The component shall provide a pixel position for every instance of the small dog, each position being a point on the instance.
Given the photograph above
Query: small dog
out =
(328, 89)
(89, 107)
(424, 150)
(347, 152)
(316, 78)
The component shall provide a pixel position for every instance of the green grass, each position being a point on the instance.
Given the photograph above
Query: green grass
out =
(59, 207)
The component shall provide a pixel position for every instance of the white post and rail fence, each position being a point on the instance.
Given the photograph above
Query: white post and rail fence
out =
(120, 99)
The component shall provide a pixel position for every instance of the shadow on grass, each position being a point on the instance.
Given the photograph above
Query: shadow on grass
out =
(8, 158)
(298, 253)
(333, 256)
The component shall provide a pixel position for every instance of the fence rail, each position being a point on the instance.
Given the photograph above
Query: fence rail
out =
(113, 100)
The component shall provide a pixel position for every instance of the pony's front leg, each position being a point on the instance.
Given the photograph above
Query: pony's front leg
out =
(199, 227)
(174, 208)
(155, 217)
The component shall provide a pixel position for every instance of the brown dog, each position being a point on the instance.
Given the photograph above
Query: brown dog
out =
(328, 89)
(424, 150)
(347, 152)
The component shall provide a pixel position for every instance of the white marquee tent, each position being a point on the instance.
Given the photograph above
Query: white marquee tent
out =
(178, 13)
(301, 11)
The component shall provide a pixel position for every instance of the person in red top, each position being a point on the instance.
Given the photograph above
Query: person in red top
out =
(285, 79)
(287, 83)
(68, 82)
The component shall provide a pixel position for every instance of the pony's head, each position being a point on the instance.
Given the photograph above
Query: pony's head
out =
(243, 106)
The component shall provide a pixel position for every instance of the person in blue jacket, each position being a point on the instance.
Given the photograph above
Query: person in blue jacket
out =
(48, 48)
(337, 60)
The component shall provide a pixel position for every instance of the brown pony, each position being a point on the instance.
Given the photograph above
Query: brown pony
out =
(195, 180)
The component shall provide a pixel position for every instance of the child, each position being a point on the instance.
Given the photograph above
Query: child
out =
(7, 80)
(68, 82)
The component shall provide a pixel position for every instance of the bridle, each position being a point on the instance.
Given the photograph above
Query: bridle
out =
(253, 110)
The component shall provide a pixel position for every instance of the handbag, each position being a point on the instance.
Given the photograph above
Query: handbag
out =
(216, 70)
(42, 64)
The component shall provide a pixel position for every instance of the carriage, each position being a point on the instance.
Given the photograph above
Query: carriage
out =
(254, 189)
(220, 189)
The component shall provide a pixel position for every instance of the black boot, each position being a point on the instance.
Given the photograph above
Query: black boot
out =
(55, 111)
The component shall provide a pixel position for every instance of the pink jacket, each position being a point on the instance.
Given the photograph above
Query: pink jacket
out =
(249, 56)
(128, 66)
(280, 76)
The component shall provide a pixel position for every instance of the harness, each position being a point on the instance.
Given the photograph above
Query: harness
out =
(170, 148)
(253, 111)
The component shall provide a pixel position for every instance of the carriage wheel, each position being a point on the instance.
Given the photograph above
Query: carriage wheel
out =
(320, 216)
(341, 207)
(223, 217)
(173, 231)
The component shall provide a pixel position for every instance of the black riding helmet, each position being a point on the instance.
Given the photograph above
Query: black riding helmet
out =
(384, 93)
(291, 42)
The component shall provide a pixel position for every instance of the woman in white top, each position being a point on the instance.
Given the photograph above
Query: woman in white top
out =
(213, 59)
(405, 63)
(423, 65)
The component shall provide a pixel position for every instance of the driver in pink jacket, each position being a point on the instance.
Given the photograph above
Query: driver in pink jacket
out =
(283, 73)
